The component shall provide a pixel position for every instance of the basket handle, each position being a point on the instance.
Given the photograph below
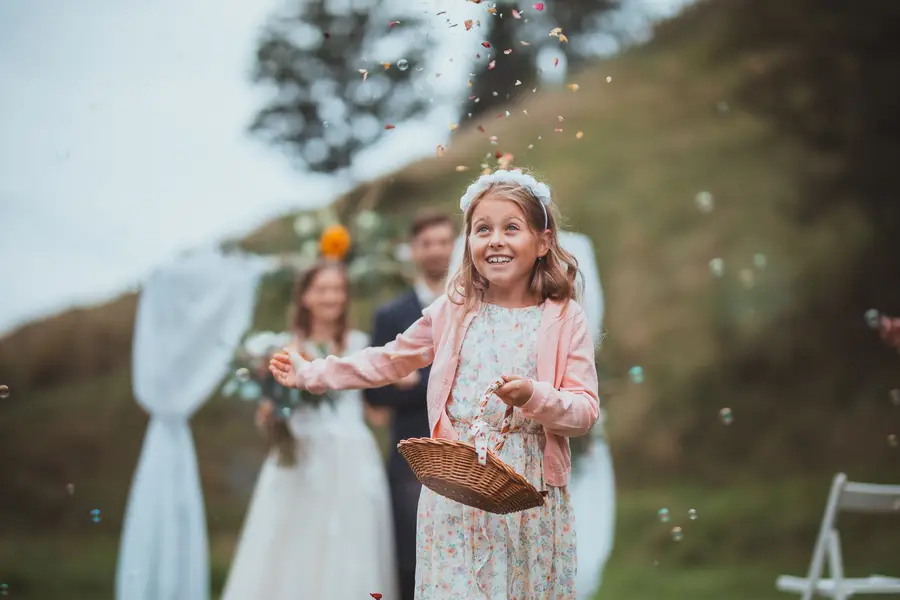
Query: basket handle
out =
(480, 430)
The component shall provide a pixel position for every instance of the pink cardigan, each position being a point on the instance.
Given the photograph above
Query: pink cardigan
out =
(565, 390)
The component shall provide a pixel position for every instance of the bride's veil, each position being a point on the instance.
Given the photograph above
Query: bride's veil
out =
(593, 485)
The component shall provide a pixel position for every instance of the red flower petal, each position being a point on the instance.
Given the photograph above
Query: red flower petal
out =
(539, 6)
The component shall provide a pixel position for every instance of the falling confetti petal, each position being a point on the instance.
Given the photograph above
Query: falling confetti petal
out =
(516, 14)
(461, 168)
(364, 73)
(481, 129)
(555, 31)
(563, 39)
(555, 62)
(609, 80)
(375, 595)
(539, 6)
(524, 43)
(525, 112)
(468, 24)
(392, 23)
(454, 126)
(579, 135)
(508, 51)
(386, 66)
(439, 150)
(389, 126)
(560, 118)
(518, 82)
(558, 130)
(574, 87)
(492, 64)
(486, 44)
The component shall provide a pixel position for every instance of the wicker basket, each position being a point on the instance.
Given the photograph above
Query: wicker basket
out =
(469, 473)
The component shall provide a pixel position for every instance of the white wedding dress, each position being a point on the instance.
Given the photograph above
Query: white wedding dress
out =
(321, 529)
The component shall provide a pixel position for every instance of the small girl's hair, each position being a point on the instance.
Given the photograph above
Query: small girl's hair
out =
(552, 277)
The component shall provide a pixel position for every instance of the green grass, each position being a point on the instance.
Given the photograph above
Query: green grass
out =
(743, 538)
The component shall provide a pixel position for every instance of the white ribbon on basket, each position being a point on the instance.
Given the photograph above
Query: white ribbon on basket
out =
(480, 430)
(481, 433)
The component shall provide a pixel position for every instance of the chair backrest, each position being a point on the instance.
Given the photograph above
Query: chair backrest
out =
(869, 498)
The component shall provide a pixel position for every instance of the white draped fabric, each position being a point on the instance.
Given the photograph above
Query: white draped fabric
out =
(593, 483)
(191, 315)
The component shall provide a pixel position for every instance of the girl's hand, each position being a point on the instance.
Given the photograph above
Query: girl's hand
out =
(284, 365)
(516, 391)
(890, 331)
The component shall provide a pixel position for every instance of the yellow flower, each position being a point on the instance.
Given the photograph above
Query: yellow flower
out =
(335, 242)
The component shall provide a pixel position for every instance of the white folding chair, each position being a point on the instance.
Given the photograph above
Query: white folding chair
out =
(845, 496)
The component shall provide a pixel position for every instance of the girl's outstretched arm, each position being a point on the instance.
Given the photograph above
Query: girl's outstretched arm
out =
(574, 408)
(368, 368)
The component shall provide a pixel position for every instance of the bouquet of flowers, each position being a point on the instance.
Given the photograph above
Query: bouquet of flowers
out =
(252, 382)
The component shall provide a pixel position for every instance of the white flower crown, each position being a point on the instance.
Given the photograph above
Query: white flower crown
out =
(541, 191)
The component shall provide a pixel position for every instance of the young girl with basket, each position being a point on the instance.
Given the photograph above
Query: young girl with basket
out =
(509, 323)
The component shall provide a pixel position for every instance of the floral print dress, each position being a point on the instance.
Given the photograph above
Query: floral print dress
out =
(464, 553)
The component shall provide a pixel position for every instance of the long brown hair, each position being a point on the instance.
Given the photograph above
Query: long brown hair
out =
(552, 277)
(299, 317)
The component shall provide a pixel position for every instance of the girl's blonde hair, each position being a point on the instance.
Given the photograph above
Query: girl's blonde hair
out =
(552, 276)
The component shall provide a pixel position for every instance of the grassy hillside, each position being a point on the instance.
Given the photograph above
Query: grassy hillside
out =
(659, 126)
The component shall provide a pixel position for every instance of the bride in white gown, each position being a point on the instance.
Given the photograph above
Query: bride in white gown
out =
(321, 529)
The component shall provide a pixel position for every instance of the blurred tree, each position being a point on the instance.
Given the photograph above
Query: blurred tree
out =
(342, 74)
(581, 21)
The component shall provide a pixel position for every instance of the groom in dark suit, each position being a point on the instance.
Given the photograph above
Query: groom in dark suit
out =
(432, 236)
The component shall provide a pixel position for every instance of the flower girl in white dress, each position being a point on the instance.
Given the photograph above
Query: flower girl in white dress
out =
(322, 528)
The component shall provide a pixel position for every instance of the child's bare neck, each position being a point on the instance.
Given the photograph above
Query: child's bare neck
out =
(511, 298)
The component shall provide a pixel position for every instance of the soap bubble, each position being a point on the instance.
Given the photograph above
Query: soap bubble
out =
(717, 267)
(636, 374)
(873, 318)
(759, 260)
(704, 202)
(892, 440)
(692, 514)
(243, 374)
(95, 515)
(895, 396)
(663, 515)
(70, 488)
(725, 416)
(4, 589)
(403, 64)
(4, 391)
(676, 534)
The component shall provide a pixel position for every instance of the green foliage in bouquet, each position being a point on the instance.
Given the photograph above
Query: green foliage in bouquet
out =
(252, 381)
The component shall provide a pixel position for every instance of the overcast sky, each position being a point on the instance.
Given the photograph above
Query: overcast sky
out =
(124, 140)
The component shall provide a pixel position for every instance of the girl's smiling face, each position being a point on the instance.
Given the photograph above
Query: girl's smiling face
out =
(504, 249)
